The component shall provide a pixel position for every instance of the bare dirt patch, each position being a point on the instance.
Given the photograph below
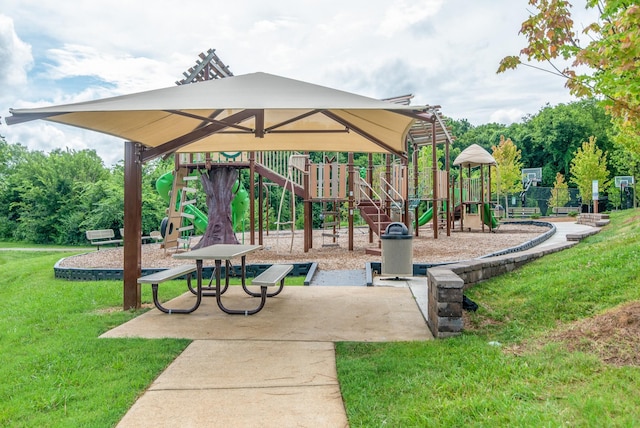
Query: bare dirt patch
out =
(278, 248)
(612, 336)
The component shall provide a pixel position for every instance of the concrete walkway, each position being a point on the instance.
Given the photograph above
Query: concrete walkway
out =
(276, 368)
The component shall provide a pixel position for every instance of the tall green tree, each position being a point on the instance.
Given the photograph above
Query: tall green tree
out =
(507, 173)
(51, 194)
(483, 135)
(557, 132)
(559, 193)
(589, 163)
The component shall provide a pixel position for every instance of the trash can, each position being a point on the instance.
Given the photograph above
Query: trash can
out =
(397, 250)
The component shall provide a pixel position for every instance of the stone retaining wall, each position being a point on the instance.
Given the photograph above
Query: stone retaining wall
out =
(594, 220)
(446, 284)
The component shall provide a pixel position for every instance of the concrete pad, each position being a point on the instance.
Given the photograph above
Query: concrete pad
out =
(325, 314)
(242, 384)
(311, 407)
(417, 285)
(228, 364)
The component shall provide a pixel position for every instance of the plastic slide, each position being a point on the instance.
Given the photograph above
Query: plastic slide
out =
(425, 217)
(239, 204)
(489, 217)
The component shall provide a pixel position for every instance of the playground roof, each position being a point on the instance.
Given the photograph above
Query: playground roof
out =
(473, 156)
(252, 112)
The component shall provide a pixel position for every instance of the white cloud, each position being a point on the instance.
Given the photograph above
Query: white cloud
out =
(445, 53)
(402, 14)
(507, 116)
(15, 57)
(45, 136)
(128, 74)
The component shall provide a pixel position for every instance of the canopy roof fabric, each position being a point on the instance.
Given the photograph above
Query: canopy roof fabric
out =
(252, 112)
(473, 156)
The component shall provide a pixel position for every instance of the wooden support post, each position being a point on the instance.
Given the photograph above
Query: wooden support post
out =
(352, 171)
(450, 198)
(370, 182)
(405, 183)
(482, 188)
(132, 226)
(308, 208)
(260, 209)
(252, 198)
(415, 186)
(489, 197)
(434, 159)
(387, 177)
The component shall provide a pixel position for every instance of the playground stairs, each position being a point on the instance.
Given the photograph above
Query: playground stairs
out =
(374, 215)
(594, 220)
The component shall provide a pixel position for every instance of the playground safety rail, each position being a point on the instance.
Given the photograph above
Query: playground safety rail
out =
(361, 193)
(388, 186)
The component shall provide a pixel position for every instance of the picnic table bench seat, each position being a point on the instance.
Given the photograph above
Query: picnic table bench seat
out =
(102, 237)
(272, 276)
(157, 278)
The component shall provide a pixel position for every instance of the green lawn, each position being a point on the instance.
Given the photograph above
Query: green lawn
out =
(55, 370)
(504, 371)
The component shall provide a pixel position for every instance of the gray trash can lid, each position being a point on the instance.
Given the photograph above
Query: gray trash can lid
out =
(396, 230)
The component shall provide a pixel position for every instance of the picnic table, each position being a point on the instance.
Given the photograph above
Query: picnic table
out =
(219, 253)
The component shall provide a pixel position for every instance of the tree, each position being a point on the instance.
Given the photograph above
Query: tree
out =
(611, 55)
(50, 194)
(614, 195)
(484, 135)
(557, 132)
(589, 163)
(559, 193)
(508, 170)
(218, 183)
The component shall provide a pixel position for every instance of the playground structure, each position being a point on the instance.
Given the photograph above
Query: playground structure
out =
(393, 195)
(381, 193)
(474, 192)
(330, 183)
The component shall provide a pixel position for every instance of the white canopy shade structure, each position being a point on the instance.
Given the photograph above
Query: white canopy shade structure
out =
(474, 156)
(253, 112)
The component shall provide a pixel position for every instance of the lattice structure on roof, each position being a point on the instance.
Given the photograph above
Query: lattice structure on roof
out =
(421, 132)
(208, 67)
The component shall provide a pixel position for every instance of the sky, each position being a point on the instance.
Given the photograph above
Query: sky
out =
(444, 52)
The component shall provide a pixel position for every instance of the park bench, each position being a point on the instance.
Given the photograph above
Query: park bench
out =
(144, 237)
(522, 212)
(157, 278)
(102, 237)
(155, 236)
(565, 210)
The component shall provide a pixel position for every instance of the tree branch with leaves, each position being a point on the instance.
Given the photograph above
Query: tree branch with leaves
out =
(607, 66)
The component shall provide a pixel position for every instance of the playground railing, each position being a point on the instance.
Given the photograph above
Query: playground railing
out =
(389, 192)
(280, 162)
(363, 190)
